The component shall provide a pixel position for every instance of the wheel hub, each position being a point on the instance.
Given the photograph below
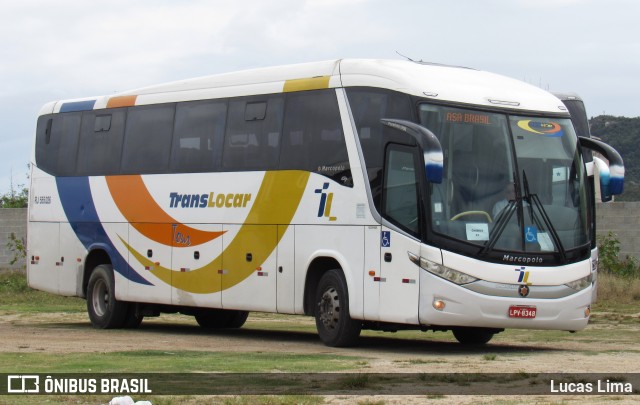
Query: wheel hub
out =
(329, 307)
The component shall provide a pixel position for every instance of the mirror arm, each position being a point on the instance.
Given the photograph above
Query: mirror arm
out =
(616, 164)
(429, 143)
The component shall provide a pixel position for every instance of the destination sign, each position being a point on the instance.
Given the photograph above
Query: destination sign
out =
(467, 118)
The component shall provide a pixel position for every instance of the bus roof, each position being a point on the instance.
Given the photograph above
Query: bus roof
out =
(433, 81)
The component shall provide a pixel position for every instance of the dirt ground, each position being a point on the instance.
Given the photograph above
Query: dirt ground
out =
(66, 333)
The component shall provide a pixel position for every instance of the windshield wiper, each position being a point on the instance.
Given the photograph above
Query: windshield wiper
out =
(500, 226)
(533, 199)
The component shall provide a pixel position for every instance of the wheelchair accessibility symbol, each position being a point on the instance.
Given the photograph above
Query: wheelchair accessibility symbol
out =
(385, 239)
(531, 234)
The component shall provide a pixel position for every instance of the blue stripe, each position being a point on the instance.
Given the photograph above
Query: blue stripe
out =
(78, 106)
(77, 202)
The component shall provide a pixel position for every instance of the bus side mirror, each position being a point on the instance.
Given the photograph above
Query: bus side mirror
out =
(602, 173)
(429, 144)
(612, 174)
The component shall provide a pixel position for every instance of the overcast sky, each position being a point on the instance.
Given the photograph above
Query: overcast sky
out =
(61, 49)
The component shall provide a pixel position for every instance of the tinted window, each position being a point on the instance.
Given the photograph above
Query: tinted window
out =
(252, 138)
(400, 194)
(312, 138)
(101, 142)
(147, 143)
(57, 143)
(368, 106)
(198, 136)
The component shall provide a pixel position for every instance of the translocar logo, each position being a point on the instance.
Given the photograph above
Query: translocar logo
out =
(326, 199)
(210, 200)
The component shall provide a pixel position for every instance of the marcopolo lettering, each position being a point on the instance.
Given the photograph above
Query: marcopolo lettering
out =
(522, 259)
(210, 200)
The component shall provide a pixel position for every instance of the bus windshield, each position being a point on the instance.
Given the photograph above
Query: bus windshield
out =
(510, 183)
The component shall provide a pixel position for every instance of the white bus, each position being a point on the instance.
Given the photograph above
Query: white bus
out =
(369, 194)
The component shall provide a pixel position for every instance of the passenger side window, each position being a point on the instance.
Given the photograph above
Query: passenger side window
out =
(368, 106)
(57, 143)
(252, 137)
(313, 139)
(100, 146)
(147, 143)
(198, 136)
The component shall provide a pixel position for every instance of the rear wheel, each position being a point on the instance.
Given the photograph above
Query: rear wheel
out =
(105, 312)
(473, 336)
(334, 324)
(221, 318)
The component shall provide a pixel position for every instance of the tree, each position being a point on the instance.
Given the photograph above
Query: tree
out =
(16, 197)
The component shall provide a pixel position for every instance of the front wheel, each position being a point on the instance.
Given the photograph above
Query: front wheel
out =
(105, 312)
(334, 324)
(473, 336)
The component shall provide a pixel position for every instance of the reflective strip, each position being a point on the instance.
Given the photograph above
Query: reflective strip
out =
(311, 83)
(121, 101)
(77, 106)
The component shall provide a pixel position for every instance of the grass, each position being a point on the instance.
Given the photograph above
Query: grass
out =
(17, 296)
(175, 362)
(617, 294)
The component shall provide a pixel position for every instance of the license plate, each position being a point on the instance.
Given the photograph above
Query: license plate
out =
(522, 311)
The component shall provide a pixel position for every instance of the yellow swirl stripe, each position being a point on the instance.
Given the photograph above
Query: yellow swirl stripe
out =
(276, 204)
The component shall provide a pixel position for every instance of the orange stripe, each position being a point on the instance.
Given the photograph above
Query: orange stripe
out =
(121, 101)
(140, 209)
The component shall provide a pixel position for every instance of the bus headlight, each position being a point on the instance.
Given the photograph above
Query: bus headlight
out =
(445, 272)
(580, 284)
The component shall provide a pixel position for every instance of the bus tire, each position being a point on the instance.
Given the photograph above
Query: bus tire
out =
(473, 336)
(237, 319)
(334, 324)
(105, 312)
(221, 318)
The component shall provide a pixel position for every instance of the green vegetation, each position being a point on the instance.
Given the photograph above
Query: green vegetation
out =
(17, 196)
(623, 134)
(16, 296)
(17, 246)
(610, 262)
(177, 361)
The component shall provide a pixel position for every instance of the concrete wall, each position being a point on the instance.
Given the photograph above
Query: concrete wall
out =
(12, 220)
(622, 218)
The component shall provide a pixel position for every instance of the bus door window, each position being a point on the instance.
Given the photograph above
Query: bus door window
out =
(400, 192)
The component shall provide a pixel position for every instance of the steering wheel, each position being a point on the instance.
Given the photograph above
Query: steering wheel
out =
(465, 213)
